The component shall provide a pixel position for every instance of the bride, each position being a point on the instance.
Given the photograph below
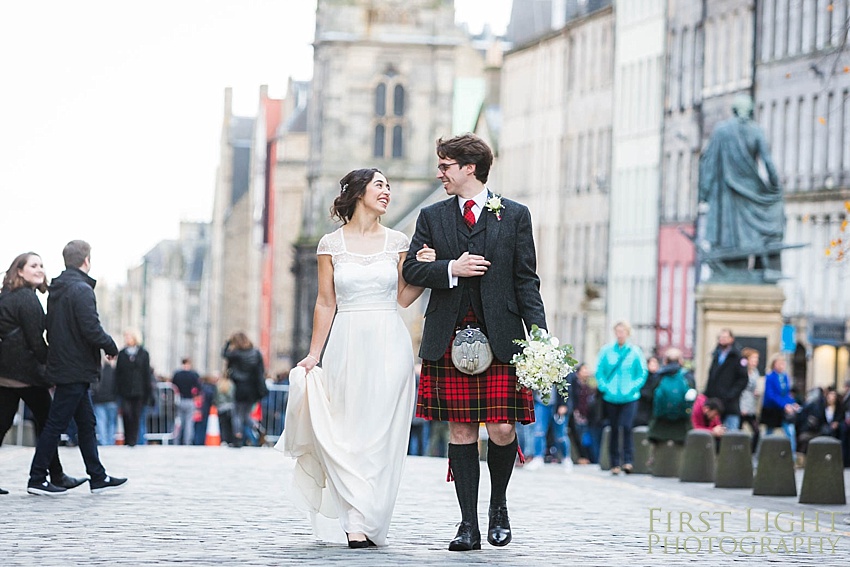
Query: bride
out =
(348, 420)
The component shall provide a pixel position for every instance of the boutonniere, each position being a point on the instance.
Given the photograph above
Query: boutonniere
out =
(495, 206)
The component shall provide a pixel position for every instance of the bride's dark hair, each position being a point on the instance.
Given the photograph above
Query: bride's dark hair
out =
(351, 187)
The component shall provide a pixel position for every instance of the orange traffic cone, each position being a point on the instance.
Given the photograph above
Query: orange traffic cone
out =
(213, 429)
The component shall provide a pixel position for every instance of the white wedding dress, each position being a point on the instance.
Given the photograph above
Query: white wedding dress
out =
(348, 421)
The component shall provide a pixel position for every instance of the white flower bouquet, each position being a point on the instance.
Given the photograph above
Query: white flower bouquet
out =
(543, 363)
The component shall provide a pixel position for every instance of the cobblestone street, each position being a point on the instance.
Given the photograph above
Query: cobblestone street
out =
(208, 506)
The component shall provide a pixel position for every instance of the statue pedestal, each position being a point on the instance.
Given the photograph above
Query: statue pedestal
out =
(748, 310)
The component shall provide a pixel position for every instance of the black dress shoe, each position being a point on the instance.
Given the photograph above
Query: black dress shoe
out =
(499, 532)
(467, 538)
(3, 491)
(69, 481)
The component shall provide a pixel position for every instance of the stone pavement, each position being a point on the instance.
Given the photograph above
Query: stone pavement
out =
(222, 506)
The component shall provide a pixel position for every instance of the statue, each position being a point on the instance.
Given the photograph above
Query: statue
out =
(744, 218)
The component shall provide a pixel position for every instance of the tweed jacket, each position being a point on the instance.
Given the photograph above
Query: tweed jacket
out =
(509, 290)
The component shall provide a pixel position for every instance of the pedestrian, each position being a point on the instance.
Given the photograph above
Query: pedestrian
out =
(727, 378)
(779, 409)
(73, 364)
(644, 409)
(203, 404)
(552, 417)
(353, 413)
(133, 377)
(188, 382)
(583, 397)
(23, 353)
(225, 402)
(484, 278)
(246, 369)
(673, 397)
(706, 414)
(104, 397)
(749, 404)
(620, 374)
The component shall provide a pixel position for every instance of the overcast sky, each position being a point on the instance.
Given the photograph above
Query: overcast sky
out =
(110, 113)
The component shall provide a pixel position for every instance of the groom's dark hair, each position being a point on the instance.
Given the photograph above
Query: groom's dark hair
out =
(466, 149)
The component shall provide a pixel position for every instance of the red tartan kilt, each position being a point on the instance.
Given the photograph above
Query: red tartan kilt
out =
(447, 394)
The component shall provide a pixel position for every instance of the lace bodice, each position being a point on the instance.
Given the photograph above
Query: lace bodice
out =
(364, 278)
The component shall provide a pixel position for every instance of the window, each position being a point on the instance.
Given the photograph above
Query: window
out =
(389, 116)
(380, 138)
(398, 100)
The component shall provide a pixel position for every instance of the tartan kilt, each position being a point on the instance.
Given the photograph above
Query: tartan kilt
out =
(447, 394)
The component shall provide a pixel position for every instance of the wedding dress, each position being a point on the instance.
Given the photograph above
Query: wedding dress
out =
(348, 421)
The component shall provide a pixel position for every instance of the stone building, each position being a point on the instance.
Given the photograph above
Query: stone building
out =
(234, 251)
(802, 95)
(555, 156)
(640, 49)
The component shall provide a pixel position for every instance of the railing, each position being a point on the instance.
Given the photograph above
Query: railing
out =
(274, 411)
(161, 417)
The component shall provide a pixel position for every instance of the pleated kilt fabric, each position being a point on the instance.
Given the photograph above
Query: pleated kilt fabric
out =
(447, 394)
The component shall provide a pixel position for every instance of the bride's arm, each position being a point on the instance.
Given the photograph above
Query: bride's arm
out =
(407, 293)
(323, 315)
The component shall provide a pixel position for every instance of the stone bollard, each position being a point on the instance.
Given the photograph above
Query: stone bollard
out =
(667, 459)
(823, 478)
(604, 455)
(698, 460)
(641, 445)
(775, 471)
(735, 461)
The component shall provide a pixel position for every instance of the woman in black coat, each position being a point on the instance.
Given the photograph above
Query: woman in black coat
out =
(246, 369)
(132, 379)
(23, 352)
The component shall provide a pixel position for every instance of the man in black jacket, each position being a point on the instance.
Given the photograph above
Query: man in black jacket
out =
(76, 338)
(727, 378)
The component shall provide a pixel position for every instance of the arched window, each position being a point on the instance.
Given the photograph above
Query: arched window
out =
(398, 100)
(397, 142)
(380, 135)
(389, 120)
(381, 99)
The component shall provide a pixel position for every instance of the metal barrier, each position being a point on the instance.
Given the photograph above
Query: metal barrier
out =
(274, 412)
(161, 417)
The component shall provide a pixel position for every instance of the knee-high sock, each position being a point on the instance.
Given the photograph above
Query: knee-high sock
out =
(500, 460)
(463, 460)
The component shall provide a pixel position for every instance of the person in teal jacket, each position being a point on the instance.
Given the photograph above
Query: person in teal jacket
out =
(620, 374)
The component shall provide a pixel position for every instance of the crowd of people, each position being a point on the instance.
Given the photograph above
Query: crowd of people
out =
(630, 390)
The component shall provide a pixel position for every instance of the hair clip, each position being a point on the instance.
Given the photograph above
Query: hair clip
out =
(344, 188)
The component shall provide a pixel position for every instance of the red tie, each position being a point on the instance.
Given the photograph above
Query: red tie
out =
(468, 215)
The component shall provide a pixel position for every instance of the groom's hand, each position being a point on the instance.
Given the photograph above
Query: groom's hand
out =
(469, 265)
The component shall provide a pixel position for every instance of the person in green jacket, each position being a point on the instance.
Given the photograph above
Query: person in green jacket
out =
(620, 374)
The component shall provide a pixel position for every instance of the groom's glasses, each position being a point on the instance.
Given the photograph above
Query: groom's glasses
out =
(443, 167)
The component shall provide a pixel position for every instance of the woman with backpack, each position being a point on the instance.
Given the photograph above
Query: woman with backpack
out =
(672, 401)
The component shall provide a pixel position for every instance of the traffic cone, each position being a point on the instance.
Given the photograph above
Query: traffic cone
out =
(213, 429)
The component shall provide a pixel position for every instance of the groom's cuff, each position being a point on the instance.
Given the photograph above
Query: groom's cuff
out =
(452, 279)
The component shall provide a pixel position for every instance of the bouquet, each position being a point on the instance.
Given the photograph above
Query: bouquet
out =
(543, 363)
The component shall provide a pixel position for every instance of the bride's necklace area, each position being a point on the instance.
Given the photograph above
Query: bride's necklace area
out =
(368, 243)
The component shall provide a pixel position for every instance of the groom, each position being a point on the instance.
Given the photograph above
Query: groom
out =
(484, 277)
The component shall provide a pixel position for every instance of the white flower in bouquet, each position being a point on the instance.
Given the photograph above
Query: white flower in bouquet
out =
(543, 363)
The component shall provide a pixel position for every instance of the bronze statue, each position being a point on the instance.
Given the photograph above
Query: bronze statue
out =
(744, 222)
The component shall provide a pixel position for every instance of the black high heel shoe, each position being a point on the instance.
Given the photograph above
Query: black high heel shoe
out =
(358, 544)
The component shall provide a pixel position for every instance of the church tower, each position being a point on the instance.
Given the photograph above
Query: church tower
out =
(385, 75)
